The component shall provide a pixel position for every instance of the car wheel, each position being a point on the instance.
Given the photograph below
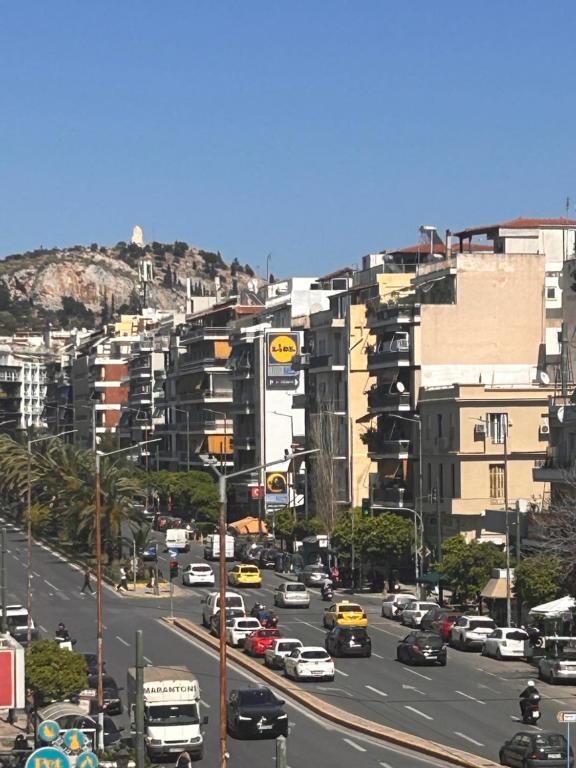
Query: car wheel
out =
(368, 654)
(442, 662)
(484, 652)
(499, 655)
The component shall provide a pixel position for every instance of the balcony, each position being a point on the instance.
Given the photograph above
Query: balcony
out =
(398, 314)
(326, 362)
(326, 319)
(192, 335)
(206, 395)
(246, 407)
(242, 370)
(188, 362)
(382, 399)
(244, 443)
(15, 376)
(391, 497)
(390, 353)
(380, 447)
(551, 470)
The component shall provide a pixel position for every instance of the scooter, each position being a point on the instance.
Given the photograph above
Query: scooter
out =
(531, 713)
(327, 592)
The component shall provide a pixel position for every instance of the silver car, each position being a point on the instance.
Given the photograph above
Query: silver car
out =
(314, 575)
(290, 594)
(562, 670)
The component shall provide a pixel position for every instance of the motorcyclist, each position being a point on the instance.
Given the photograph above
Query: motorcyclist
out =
(326, 587)
(61, 632)
(529, 691)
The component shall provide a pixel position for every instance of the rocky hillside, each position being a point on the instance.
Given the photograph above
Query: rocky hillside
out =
(85, 286)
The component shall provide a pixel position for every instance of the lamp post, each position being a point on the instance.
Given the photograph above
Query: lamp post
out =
(99, 634)
(222, 485)
(225, 417)
(29, 522)
(291, 499)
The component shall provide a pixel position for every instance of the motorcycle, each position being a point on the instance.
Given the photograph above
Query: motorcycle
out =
(531, 710)
(327, 592)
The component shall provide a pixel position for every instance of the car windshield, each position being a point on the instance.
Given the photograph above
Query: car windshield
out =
(516, 634)
(268, 633)
(254, 624)
(182, 714)
(200, 568)
(295, 588)
(288, 646)
(482, 624)
(429, 642)
(315, 655)
(349, 609)
(550, 740)
(358, 632)
(250, 569)
(256, 697)
(233, 601)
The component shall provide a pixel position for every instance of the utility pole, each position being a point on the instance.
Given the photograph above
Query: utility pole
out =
(222, 638)
(281, 756)
(4, 625)
(139, 708)
(508, 591)
(99, 629)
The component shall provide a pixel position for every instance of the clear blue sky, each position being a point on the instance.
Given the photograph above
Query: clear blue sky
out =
(317, 130)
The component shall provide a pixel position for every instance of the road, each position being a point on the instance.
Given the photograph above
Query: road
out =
(56, 597)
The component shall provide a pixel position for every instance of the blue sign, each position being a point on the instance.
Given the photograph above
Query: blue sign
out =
(87, 760)
(48, 757)
(48, 731)
(74, 740)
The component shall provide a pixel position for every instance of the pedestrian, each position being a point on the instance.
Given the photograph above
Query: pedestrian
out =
(87, 583)
(123, 583)
(184, 760)
(335, 575)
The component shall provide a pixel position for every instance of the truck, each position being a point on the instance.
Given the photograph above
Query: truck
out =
(177, 539)
(212, 547)
(172, 720)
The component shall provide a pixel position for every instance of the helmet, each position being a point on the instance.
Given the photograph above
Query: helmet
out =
(61, 625)
(531, 684)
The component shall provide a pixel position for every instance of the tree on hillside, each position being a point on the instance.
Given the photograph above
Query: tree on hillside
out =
(54, 673)
(468, 565)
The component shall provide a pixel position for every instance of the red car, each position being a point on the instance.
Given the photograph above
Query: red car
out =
(444, 624)
(257, 643)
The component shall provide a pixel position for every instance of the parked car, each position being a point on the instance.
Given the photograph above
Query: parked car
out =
(197, 573)
(348, 641)
(314, 575)
(431, 616)
(258, 642)
(91, 660)
(559, 670)
(505, 643)
(392, 605)
(282, 647)
(239, 630)
(422, 648)
(469, 632)
(413, 613)
(291, 594)
(256, 712)
(112, 700)
(444, 624)
(309, 662)
(533, 749)
(344, 613)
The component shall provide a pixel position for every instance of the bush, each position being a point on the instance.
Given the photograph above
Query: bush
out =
(53, 673)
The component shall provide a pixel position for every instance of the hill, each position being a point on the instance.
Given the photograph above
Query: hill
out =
(87, 285)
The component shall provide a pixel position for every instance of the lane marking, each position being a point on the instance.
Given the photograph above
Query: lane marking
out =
(51, 585)
(354, 745)
(376, 690)
(204, 703)
(385, 765)
(417, 711)
(339, 672)
(469, 738)
(308, 624)
(42, 628)
(37, 574)
(147, 660)
(407, 669)
(122, 641)
(472, 698)
(487, 687)
(378, 657)
(412, 688)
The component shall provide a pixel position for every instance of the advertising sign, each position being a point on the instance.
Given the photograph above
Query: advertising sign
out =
(7, 687)
(48, 757)
(277, 488)
(280, 351)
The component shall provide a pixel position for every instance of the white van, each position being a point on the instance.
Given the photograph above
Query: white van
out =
(212, 547)
(211, 605)
(177, 538)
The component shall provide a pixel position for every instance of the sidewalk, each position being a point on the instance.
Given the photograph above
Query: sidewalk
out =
(9, 732)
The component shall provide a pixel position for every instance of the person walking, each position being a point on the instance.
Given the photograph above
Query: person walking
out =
(123, 583)
(87, 581)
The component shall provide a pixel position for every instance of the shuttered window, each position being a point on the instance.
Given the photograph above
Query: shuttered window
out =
(497, 482)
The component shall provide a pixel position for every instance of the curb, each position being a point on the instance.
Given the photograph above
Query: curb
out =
(335, 714)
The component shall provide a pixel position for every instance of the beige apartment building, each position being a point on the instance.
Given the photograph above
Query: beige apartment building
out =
(480, 443)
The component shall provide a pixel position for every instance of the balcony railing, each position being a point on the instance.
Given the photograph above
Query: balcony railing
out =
(391, 496)
(193, 334)
(398, 313)
(383, 399)
(244, 443)
(394, 351)
(209, 360)
(325, 361)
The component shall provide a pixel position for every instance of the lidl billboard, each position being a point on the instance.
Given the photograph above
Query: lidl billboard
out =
(280, 351)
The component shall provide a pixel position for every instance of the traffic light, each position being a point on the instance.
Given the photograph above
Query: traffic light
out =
(173, 569)
(366, 510)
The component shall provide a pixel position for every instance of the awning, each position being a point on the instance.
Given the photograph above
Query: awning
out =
(367, 417)
(555, 608)
(248, 525)
(496, 589)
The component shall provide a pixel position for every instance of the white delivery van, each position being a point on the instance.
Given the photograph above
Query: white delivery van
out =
(172, 722)
(177, 538)
(211, 605)
(212, 547)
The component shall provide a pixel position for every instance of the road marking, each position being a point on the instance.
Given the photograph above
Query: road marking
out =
(417, 711)
(354, 745)
(469, 738)
(51, 585)
(339, 672)
(36, 574)
(149, 661)
(380, 693)
(472, 698)
(487, 687)
(204, 704)
(385, 765)
(407, 669)
(42, 628)
(332, 689)
(308, 624)
(412, 688)
(122, 641)
(378, 657)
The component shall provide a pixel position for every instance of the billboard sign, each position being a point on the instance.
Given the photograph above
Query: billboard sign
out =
(280, 351)
(277, 488)
(7, 679)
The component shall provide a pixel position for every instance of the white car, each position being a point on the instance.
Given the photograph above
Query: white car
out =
(412, 614)
(309, 662)
(274, 656)
(393, 604)
(197, 573)
(505, 643)
(291, 593)
(469, 632)
(240, 628)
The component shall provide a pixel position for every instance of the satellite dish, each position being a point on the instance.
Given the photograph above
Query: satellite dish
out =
(543, 377)
(561, 414)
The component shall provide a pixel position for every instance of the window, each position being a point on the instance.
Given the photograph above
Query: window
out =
(440, 481)
(439, 424)
(453, 480)
(496, 482)
(429, 476)
(550, 292)
(497, 426)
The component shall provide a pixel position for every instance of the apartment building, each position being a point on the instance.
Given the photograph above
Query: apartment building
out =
(480, 444)
(22, 387)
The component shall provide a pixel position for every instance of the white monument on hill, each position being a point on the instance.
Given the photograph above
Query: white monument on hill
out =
(138, 236)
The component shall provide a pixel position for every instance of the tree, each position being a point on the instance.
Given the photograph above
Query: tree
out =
(323, 438)
(248, 270)
(194, 494)
(313, 526)
(54, 673)
(284, 524)
(538, 579)
(468, 565)
(556, 528)
(387, 538)
(167, 280)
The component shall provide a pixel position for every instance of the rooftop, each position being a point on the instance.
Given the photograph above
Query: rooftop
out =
(519, 223)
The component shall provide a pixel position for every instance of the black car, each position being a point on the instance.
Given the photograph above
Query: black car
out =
(531, 749)
(348, 641)
(112, 701)
(431, 616)
(256, 712)
(420, 648)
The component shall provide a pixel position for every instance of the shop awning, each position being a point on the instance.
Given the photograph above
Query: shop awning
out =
(496, 589)
(248, 526)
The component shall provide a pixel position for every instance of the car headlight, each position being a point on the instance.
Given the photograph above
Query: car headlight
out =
(281, 717)
(241, 717)
(155, 741)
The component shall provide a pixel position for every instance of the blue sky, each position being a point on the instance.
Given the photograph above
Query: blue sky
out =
(315, 130)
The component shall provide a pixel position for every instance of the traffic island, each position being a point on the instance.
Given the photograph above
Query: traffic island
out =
(335, 714)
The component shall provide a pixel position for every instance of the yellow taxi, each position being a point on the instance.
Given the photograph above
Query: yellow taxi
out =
(245, 576)
(345, 614)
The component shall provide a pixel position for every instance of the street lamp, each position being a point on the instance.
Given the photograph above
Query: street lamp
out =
(99, 635)
(222, 483)
(225, 417)
(29, 522)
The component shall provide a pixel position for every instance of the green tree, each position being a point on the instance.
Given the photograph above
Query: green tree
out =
(538, 579)
(284, 525)
(385, 539)
(194, 494)
(54, 673)
(310, 527)
(468, 565)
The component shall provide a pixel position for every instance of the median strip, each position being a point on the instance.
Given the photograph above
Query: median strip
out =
(335, 714)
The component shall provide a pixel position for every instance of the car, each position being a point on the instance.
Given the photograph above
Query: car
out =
(469, 632)
(348, 641)
(344, 613)
(422, 648)
(309, 662)
(282, 647)
(257, 643)
(85, 722)
(150, 553)
(112, 700)
(444, 624)
(291, 594)
(197, 573)
(432, 616)
(251, 554)
(245, 576)
(231, 613)
(314, 575)
(558, 670)
(17, 624)
(392, 604)
(256, 712)
(505, 643)
(211, 605)
(529, 749)
(413, 613)
(268, 557)
(239, 630)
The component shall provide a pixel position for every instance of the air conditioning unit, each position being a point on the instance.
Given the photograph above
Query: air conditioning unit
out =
(544, 430)
(479, 430)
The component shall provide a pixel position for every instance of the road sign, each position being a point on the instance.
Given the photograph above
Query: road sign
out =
(48, 757)
(48, 731)
(87, 760)
(566, 717)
